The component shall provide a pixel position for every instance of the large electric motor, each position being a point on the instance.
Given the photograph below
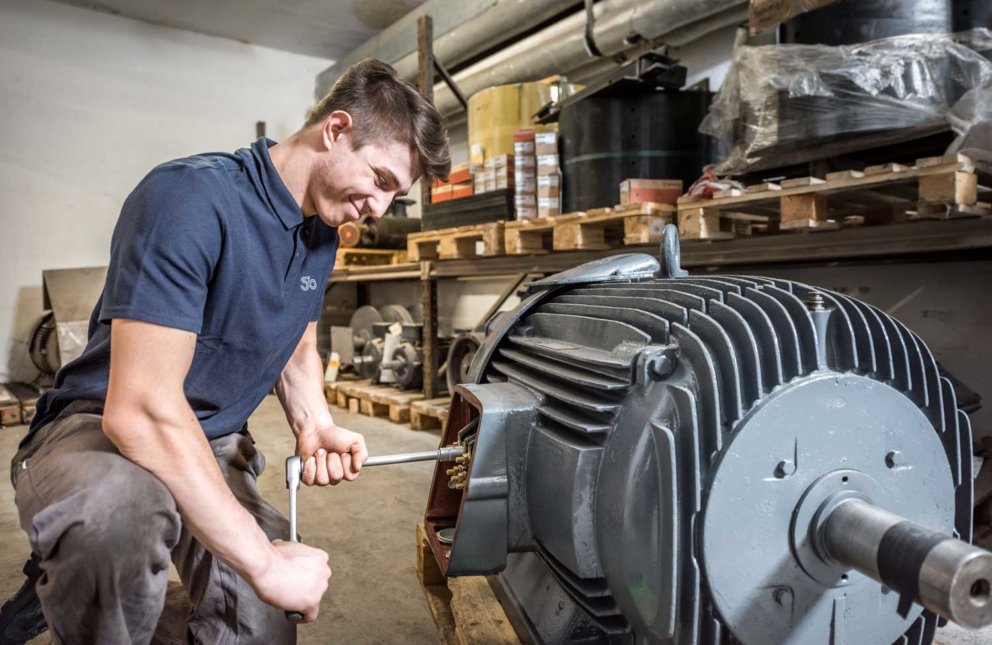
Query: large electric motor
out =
(668, 459)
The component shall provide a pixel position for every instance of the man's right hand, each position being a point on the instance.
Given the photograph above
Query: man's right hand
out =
(295, 579)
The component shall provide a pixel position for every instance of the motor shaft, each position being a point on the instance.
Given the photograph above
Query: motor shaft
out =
(947, 576)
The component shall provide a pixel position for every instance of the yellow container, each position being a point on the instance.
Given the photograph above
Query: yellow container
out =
(495, 113)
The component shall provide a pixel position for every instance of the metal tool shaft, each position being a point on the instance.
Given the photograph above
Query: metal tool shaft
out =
(449, 453)
(947, 576)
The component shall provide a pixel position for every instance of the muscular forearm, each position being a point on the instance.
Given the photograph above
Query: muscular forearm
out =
(300, 389)
(171, 445)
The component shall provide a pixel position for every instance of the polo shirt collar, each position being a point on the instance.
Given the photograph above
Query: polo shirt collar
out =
(271, 184)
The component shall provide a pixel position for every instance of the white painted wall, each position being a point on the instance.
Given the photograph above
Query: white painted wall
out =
(90, 102)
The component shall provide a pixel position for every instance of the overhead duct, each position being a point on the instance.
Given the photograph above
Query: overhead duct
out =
(464, 29)
(620, 26)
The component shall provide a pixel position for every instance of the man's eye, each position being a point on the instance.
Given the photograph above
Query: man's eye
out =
(379, 180)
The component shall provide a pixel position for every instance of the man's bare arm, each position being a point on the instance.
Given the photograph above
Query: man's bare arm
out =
(149, 420)
(331, 453)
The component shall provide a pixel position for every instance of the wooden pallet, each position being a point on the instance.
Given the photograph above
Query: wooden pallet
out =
(429, 414)
(456, 243)
(27, 399)
(601, 228)
(363, 397)
(465, 610)
(936, 187)
(369, 257)
(605, 228)
(10, 408)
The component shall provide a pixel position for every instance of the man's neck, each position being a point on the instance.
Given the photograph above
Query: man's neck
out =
(292, 159)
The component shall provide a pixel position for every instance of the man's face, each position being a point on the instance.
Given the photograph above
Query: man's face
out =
(349, 183)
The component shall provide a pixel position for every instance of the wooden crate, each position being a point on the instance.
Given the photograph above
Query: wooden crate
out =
(369, 257)
(429, 414)
(10, 408)
(936, 187)
(465, 610)
(456, 243)
(605, 228)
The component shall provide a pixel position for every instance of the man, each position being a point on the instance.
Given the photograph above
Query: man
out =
(140, 451)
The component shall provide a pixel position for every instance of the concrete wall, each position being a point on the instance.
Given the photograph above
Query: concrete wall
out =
(90, 102)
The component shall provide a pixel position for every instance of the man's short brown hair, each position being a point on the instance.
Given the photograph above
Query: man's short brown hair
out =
(385, 108)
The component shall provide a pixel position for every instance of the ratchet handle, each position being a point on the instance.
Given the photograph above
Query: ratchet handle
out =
(294, 469)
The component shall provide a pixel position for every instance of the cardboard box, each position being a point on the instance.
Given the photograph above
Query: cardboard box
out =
(503, 162)
(523, 148)
(489, 165)
(661, 191)
(440, 194)
(504, 178)
(477, 155)
(549, 186)
(525, 162)
(547, 164)
(526, 212)
(546, 143)
(548, 207)
(460, 174)
(489, 180)
(459, 191)
(525, 183)
(479, 183)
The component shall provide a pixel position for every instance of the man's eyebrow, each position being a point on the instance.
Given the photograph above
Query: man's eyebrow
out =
(388, 175)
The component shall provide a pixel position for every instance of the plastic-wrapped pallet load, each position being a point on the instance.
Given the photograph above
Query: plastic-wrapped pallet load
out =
(785, 104)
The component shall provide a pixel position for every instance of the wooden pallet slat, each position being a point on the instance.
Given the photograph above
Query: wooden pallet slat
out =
(938, 187)
(429, 414)
(369, 257)
(10, 408)
(456, 243)
(465, 610)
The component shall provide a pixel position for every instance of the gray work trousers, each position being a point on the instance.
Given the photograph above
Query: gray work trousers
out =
(105, 529)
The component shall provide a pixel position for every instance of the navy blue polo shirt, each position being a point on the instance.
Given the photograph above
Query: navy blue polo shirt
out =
(216, 245)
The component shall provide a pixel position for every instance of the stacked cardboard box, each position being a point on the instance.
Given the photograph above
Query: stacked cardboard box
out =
(524, 174)
(661, 191)
(548, 174)
(459, 185)
(497, 173)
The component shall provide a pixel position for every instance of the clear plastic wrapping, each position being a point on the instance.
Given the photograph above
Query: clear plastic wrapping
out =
(784, 104)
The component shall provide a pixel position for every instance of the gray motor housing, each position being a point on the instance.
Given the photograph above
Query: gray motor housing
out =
(642, 446)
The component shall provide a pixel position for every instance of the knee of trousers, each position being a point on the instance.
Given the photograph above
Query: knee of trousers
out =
(127, 519)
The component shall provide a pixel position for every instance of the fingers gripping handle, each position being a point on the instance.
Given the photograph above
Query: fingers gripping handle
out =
(294, 471)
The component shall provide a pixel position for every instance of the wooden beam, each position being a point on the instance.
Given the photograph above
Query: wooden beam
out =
(425, 83)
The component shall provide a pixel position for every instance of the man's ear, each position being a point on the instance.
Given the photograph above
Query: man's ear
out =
(338, 123)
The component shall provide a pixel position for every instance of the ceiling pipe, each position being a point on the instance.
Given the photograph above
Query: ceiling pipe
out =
(466, 28)
(620, 26)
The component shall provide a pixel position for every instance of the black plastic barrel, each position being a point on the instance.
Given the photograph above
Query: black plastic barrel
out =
(856, 21)
(607, 138)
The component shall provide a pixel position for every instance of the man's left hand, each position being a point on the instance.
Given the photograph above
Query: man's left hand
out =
(331, 453)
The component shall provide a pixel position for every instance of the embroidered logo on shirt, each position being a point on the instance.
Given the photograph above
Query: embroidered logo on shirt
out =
(307, 283)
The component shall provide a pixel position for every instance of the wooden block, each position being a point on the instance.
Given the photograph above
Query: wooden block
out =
(492, 239)
(812, 206)
(399, 413)
(479, 618)
(428, 571)
(373, 409)
(950, 188)
(801, 182)
(843, 175)
(341, 399)
(964, 162)
(728, 192)
(458, 247)
(565, 237)
(10, 408)
(644, 229)
(417, 250)
(419, 421)
(885, 168)
(438, 599)
(353, 406)
(701, 224)
(762, 188)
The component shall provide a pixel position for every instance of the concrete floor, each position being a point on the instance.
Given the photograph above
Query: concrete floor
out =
(366, 526)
